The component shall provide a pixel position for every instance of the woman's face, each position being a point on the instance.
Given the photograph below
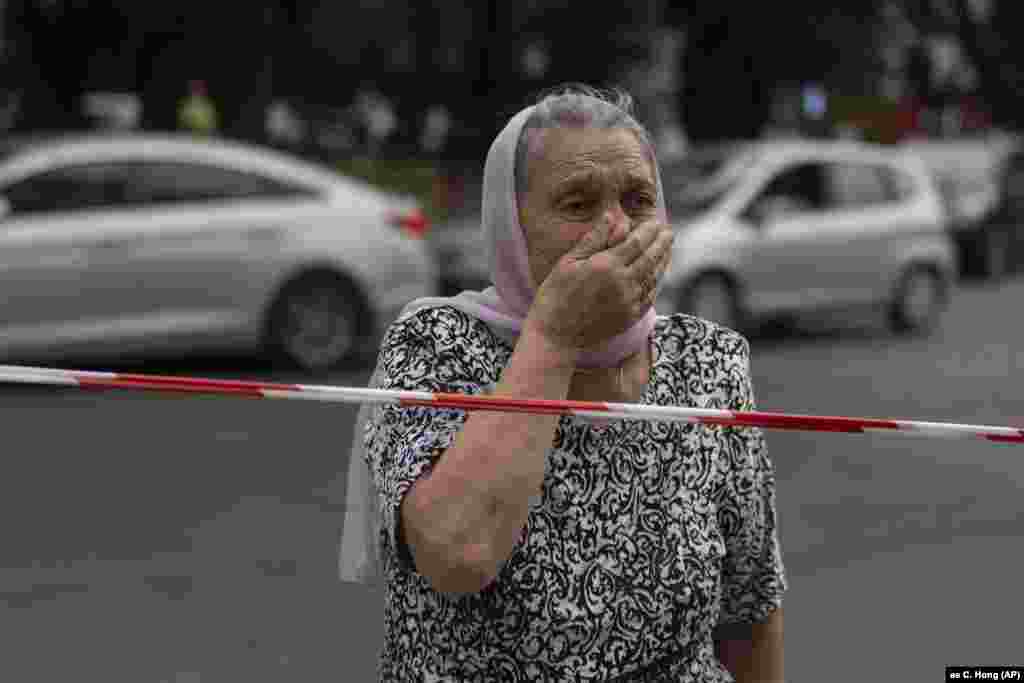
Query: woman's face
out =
(576, 177)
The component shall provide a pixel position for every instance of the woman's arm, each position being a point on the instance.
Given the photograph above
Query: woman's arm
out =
(753, 652)
(462, 521)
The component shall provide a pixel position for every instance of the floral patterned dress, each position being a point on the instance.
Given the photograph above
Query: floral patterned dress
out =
(645, 537)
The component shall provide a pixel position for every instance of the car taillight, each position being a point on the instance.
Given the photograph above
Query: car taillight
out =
(414, 222)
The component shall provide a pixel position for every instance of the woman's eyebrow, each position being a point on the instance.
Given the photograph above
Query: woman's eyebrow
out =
(586, 180)
(639, 182)
(577, 182)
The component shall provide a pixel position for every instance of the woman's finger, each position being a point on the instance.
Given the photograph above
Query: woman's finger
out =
(646, 283)
(648, 263)
(662, 266)
(636, 243)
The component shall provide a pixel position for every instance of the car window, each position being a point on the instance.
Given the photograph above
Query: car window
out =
(70, 188)
(801, 186)
(857, 185)
(698, 182)
(172, 182)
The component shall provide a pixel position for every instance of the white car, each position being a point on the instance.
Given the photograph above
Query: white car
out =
(145, 244)
(969, 174)
(778, 229)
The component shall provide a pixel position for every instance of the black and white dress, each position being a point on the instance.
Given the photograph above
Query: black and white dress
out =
(645, 537)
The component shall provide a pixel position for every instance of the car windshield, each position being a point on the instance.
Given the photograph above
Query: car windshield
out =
(698, 182)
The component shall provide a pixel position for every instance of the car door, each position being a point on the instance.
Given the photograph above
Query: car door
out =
(793, 256)
(196, 241)
(871, 222)
(55, 219)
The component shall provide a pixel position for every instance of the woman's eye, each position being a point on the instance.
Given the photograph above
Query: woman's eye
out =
(639, 201)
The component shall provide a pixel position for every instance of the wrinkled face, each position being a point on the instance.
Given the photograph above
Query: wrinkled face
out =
(577, 177)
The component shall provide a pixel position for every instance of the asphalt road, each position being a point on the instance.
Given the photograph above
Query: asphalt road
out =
(192, 540)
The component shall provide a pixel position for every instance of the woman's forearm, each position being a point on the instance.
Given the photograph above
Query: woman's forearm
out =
(463, 520)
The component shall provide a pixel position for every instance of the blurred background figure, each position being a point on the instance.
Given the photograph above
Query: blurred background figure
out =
(284, 126)
(436, 125)
(377, 119)
(197, 113)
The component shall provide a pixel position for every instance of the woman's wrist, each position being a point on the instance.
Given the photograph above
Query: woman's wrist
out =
(546, 351)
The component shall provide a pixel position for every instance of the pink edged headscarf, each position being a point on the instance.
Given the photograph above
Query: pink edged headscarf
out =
(503, 307)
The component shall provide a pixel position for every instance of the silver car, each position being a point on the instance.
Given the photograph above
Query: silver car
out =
(779, 229)
(147, 244)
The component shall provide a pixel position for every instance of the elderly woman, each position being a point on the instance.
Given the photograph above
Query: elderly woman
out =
(523, 547)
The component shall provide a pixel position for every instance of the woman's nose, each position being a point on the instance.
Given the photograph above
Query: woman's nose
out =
(616, 216)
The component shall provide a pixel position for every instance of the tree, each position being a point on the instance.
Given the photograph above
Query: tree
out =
(739, 54)
(49, 58)
(997, 53)
(151, 49)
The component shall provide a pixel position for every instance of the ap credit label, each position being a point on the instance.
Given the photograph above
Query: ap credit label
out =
(985, 673)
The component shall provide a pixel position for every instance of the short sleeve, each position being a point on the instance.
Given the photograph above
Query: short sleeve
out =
(401, 444)
(753, 575)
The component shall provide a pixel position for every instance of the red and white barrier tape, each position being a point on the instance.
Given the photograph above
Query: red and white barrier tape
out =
(583, 409)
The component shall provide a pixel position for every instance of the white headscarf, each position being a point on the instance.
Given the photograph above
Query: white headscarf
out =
(502, 306)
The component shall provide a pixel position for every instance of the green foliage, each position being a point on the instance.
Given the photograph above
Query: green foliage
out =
(877, 117)
(414, 177)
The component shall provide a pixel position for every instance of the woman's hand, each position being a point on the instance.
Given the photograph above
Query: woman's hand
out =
(603, 284)
(753, 653)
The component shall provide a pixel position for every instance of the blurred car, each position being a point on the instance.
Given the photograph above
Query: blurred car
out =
(970, 176)
(461, 254)
(1003, 226)
(780, 229)
(140, 244)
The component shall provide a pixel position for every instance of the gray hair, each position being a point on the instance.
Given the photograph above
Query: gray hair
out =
(577, 106)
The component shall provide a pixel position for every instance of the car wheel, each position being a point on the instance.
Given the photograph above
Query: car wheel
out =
(918, 302)
(995, 254)
(316, 322)
(713, 297)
